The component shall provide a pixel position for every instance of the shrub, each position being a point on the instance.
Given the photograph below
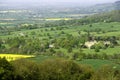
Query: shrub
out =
(60, 69)
(26, 70)
(6, 70)
(107, 72)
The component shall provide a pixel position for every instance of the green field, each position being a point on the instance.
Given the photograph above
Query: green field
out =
(106, 29)
(59, 40)
(110, 29)
(97, 29)
(95, 63)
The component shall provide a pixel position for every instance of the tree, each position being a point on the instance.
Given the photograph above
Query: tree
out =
(70, 49)
(77, 56)
(90, 25)
(106, 72)
(97, 49)
(6, 70)
(26, 70)
(79, 32)
(61, 69)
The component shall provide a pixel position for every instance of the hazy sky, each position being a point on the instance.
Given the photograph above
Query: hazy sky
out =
(82, 2)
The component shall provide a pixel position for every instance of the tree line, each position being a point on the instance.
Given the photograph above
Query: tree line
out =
(54, 69)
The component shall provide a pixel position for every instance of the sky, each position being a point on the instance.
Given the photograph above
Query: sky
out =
(81, 2)
(50, 1)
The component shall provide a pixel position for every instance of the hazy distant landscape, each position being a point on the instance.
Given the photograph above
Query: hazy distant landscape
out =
(59, 40)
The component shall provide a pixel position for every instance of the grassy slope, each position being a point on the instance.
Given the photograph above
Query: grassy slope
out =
(95, 63)
(106, 27)
(74, 31)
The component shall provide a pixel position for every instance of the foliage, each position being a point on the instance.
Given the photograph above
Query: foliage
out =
(6, 70)
(64, 70)
(107, 72)
(26, 70)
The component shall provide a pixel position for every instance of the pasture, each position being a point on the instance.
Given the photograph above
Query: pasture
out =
(56, 32)
(95, 63)
(57, 19)
(97, 29)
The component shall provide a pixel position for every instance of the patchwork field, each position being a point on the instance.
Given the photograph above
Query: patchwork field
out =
(41, 40)
(97, 29)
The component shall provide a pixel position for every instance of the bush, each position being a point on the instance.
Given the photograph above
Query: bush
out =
(60, 69)
(54, 69)
(107, 72)
(97, 49)
(26, 70)
(6, 70)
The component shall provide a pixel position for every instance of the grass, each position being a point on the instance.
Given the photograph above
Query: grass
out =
(117, 33)
(109, 51)
(5, 23)
(41, 33)
(106, 27)
(11, 57)
(40, 58)
(97, 63)
(57, 19)
(110, 29)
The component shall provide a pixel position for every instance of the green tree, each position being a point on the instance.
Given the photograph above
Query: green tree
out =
(97, 49)
(6, 70)
(107, 72)
(70, 49)
(60, 69)
(26, 70)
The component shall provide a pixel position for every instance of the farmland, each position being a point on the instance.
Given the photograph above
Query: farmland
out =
(61, 43)
(102, 30)
(57, 36)
(95, 63)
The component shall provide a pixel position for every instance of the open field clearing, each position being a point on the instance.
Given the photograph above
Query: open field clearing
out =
(77, 15)
(11, 57)
(4, 23)
(97, 29)
(14, 11)
(95, 63)
(57, 19)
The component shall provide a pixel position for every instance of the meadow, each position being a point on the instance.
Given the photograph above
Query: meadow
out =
(95, 63)
(59, 42)
(48, 34)
(57, 19)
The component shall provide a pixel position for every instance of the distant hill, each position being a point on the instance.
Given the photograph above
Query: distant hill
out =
(76, 9)
(101, 8)
(117, 5)
(98, 8)
(112, 16)
(24, 14)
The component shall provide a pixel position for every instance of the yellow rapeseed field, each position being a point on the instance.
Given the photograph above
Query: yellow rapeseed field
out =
(11, 57)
